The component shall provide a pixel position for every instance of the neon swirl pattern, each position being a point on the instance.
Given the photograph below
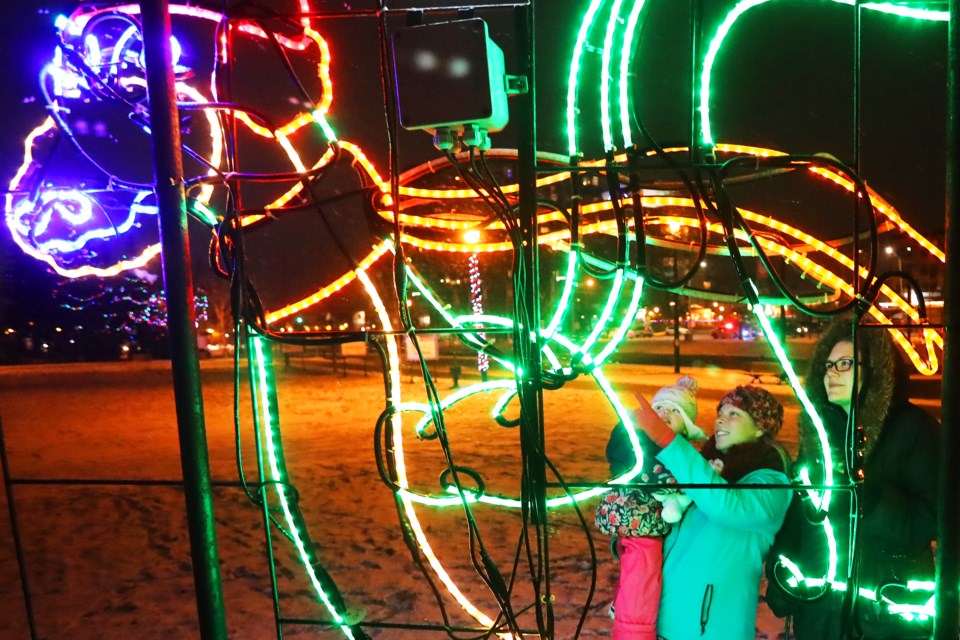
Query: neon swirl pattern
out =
(103, 230)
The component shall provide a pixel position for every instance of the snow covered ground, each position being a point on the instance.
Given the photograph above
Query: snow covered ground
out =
(109, 561)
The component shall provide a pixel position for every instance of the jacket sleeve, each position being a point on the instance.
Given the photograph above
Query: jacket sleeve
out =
(735, 508)
(619, 451)
(901, 507)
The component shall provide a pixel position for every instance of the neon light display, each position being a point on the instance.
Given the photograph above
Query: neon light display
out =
(745, 5)
(107, 228)
(820, 269)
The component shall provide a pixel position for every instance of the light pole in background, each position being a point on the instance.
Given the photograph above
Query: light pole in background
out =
(890, 251)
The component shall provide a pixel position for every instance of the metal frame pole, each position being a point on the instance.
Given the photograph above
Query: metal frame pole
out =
(947, 624)
(17, 540)
(178, 286)
(526, 331)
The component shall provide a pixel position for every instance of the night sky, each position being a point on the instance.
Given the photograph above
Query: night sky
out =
(783, 80)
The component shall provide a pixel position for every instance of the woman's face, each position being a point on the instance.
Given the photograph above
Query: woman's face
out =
(839, 384)
(734, 426)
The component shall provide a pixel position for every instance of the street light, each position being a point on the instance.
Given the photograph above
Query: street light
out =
(890, 251)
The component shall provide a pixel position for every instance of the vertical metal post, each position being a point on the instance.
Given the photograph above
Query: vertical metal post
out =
(676, 331)
(17, 540)
(696, 140)
(857, 83)
(527, 303)
(178, 286)
(947, 624)
(696, 59)
(676, 316)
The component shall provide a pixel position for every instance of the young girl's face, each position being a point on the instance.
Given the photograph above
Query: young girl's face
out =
(671, 415)
(734, 426)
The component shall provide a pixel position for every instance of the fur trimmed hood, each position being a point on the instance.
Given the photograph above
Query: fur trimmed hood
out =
(884, 383)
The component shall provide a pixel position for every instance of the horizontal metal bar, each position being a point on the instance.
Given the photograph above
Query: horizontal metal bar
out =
(113, 482)
(680, 485)
(393, 625)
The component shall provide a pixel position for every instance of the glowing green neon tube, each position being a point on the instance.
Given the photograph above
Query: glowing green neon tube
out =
(328, 133)
(711, 57)
(745, 5)
(625, 52)
(605, 314)
(606, 78)
(268, 418)
(902, 11)
(625, 323)
(574, 78)
(204, 214)
(781, 354)
(564, 304)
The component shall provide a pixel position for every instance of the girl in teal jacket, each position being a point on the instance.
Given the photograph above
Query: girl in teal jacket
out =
(713, 558)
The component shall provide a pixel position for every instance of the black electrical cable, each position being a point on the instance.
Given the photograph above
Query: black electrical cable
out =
(388, 474)
(249, 305)
(697, 198)
(480, 186)
(400, 281)
(54, 111)
(585, 527)
(633, 156)
(729, 220)
(734, 219)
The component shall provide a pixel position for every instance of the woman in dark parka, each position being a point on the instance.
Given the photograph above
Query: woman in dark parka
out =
(898, 497)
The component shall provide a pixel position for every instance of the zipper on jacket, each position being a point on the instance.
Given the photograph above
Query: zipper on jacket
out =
(705, 608)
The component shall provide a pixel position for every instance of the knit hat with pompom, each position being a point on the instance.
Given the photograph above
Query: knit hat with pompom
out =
(683, 397)
(766, 411)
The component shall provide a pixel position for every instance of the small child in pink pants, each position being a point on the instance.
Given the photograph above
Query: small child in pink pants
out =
(638, 541)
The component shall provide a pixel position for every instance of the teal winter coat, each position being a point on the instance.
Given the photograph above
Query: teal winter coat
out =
(713, 558)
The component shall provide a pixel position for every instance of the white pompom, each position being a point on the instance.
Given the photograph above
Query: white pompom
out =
(688, 383)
